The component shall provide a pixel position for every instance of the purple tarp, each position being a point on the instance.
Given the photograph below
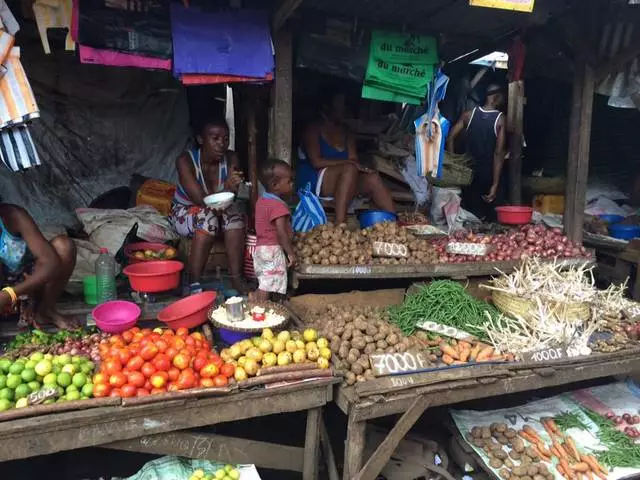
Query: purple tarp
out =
(235, 42)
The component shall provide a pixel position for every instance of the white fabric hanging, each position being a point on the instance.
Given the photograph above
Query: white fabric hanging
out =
(229, 116)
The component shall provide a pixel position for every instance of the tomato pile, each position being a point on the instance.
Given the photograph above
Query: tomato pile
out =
(144, 362)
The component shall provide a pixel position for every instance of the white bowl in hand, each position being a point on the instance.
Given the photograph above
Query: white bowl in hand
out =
(219, 201)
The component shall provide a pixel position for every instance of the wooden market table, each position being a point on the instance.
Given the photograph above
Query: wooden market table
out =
(448, 270)
(412, 394)
(163, 428)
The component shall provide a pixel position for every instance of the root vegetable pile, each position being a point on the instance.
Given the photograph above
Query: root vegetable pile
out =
(337, 245)
(76, 342)
(356, 332)
(527, 241)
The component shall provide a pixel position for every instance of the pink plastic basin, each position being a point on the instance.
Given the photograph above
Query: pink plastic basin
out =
(188, 312)
(152, 277)
(116, 316)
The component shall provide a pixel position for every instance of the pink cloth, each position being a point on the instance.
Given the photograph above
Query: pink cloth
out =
(112, 58)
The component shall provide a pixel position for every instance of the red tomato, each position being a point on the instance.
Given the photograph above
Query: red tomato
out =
(111, 365)
(220, 381)
(124, 355)
(149, 351)
(113, 339)
(173, 373)
(100, 378)
(127, 336)
(178, 343)
(227, 370)
(172, 387)
(199, 363)
(117, 379)
(206, 382)
(216, 360)
(116, 392)
(157, 390)
(171, 352)
(162, 362)
(129, 391)
(148, 369)
(197, 336)
(136, 379)
(158, 381)
(190, 341)
(186, 380)
(209, 371)
(135, 363)
(163, 374)
(162, 345)
(142, 392)
(147, 385)
(146, 332)
(181, 361)
(182, 332)
(134, 349)
(101, 390)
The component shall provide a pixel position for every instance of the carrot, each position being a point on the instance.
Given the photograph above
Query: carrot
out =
(565, 467)
(564, 472)
(552, 423)
(447, 359)
(458, 362)
(542, 448)
(464, 354)
(580, 467)
(595, 465)
(555, 451)
(546, 458)
(510, 357)
(526, 436)
(474, 352)
(590, 475)
(531, 431)
(484, 354)
(464, 344)
(570, 445)
(547, 427)
(561, 450)
(449, 350)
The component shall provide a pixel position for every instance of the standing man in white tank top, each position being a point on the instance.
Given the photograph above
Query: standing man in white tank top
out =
(484, 129)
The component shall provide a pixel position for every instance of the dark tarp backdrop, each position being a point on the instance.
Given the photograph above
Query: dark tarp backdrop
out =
(98, 126)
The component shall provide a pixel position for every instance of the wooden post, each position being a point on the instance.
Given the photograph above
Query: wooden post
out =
(579, 143)
(250, 100)
(312, 444)
(515, 126)
(280, 124)
(354, 447)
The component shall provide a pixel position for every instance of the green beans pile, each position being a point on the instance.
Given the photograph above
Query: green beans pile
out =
(567, 420)
(446, 302)
(621, 450)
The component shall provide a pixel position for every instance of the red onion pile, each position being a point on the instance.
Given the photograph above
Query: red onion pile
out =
(518, 244)
(627, 419)
(87, 346)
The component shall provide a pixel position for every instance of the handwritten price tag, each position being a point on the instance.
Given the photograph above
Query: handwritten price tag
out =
(384, 364)
(393, 250)
(545, 355)
(36, 398)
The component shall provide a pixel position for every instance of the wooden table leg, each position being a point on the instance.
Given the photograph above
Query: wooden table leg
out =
(329, 457)
(354, 447)
(312, 444)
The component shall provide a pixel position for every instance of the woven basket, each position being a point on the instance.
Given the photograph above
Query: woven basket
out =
(453, 176)
(513, 306)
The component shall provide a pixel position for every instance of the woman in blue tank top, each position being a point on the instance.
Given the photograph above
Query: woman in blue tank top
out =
(328, 160)
(33, 267)
(210, 167)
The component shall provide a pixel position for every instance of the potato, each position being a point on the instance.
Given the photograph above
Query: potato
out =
(359, 343)
(502, 439)
(520, 471)
(495, 463)
(518, 445)
(515, 455)
(352, 357)
(527, 477)
(539, 477)
(486, 433)
(500, 454)
(370, 348)
(476, 432)
(343, 352)
(350, 377)
(510, 433)
(509, 463)
(382, 344)
(505, 474)
(478, 442)
(532, 470)
(357, 368)
(501, 427)
(360, 378)
(525, 460)
(392, 339)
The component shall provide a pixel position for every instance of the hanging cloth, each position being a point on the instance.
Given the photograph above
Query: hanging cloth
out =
(54, 14)
(17, 102)
(429, 134)
(17, 150)
(230, 117)
(9, 23)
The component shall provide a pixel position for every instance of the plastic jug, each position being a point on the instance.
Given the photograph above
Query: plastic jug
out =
(105, 277)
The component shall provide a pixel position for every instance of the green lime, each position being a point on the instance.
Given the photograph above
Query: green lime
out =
(30, 364)
(71, 388)
(37, 356)
(5, 363)
(43, 367)
(4, 404)
(16, 367)
(87, 389)
(56, 369)
(3, 380)
(59, 391)
(6, 394)
(64, 379)
(28, 375)
(69, 368)
(86, 368)
(63, 359)
(50, 379)
(77, 359)
(34, 386)
(22, 402)
(49, 401)
(79, 379)
(13, 381)
(22, 391)
(73, 396)
(62, 399)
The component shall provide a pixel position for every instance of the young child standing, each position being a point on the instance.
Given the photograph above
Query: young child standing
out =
(273, 230)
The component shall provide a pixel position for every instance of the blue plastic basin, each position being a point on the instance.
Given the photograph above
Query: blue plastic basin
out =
(624, 232)
(611, 219)
(371, 217)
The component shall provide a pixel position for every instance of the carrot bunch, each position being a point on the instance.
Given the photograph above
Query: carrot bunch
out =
(572, 465)
(462, 352)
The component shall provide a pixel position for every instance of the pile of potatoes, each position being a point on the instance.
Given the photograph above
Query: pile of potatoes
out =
(329, 244)
(519, 463)
(354, 333)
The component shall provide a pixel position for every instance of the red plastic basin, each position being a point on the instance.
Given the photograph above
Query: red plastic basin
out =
(514, 215)
(188, 312)
(152, 277)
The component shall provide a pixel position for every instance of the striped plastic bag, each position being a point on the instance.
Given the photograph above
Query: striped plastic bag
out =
(309, 212)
